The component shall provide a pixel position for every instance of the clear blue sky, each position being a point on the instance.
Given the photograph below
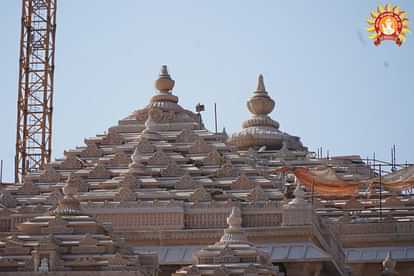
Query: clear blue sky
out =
(331, 85)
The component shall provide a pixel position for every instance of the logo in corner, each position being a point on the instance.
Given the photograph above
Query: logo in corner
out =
(388, 23)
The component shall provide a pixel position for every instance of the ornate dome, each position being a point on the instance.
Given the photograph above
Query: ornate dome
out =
(260, 130)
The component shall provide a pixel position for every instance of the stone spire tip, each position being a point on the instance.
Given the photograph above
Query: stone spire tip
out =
(164, 83)
(260, 84)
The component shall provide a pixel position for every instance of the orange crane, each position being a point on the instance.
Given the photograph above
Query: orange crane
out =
(35, 92)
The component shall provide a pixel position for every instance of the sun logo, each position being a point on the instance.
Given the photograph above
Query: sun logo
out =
(388, 23)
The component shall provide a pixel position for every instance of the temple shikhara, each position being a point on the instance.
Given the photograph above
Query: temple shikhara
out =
(159, 194)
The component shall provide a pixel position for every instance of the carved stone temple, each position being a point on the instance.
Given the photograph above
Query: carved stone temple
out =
(159, 194)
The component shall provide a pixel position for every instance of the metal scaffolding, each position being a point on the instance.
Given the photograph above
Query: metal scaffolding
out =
(35, 92)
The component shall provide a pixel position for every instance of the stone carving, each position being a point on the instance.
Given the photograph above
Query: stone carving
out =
(257, 194)
(71, 162)
(77, 183)
(7, 199)
(28, 186)
(57, 226)
(200, 146)
(186, 136)
(129, 181)
(125, 194)
(49, 175)
(160, 116)
(118, 260)
(88, 241)
(141, 115)
(91, 150)
(120, 159)
(185, 182)
(200, 194)
(242, 183)
(227, 170)
(392, 201)
(159, 158)
(144, 146)
(44, 265)
(388, 266)
(7, 262)
(112, 138)
(99, 172)
(173, 169)
(213, 158)
(55, 196)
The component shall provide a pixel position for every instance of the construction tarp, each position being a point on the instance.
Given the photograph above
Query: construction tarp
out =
(396, 181)
(325, 181)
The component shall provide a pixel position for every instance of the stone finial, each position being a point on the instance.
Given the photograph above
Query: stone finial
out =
(260, 84)
(164, 83)
(71, 187)
(234, 220)
(299, 201)
(389, 265)
(260, 103)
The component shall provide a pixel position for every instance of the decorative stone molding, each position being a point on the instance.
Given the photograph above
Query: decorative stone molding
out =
(49, 175)
(129, 181)
(28, 186)
(112, 138)
(257, 194)
(213, 158)
(160, 116)
(91, 150)
(185, 182)
(227, 170)
(120, 159)
(200, 146)
(200, 194)
(144, 146)
(7, 199)
(125, 194)
(71, 162)
(173, 169)
(55, 196)
(186, 136)
(99, 171)
(159, 158)
(242, 183)
(392, 201)
(57, 226)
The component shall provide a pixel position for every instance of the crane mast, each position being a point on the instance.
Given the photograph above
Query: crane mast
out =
(35, 87)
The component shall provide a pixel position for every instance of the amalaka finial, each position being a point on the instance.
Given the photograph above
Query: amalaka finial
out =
(260, 84)
(164, 83)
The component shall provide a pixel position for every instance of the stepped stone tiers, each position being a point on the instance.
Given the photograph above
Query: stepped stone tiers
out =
(159, 181)
(65, 241)
(261, 130)
(232, 255)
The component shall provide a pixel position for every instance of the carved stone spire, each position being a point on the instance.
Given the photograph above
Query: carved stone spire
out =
(69, 205)
(388, 266)
(234, 220)
(260, 84)
(260, 130)
(164, 84)
(260, 103)
(234, 233)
